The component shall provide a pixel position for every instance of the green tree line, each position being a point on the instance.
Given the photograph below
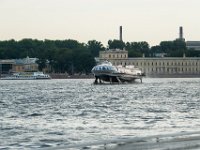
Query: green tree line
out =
(74, 57)
(62, 55)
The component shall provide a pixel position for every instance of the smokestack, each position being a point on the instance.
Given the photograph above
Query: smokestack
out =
(180, 32)
(120, 33)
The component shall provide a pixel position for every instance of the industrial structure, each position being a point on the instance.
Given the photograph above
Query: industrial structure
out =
(120, 33)
(155, 66)
(191, 45)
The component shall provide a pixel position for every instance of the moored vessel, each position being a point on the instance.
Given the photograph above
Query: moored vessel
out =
(27, 76)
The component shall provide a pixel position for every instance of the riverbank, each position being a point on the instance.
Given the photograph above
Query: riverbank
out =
(173, 76)
(66, 76)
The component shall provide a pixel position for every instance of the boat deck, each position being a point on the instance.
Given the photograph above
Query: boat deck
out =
(176, 141)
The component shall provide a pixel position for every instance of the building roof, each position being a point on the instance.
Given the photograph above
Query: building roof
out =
(115, 50)
(7, 61)
(192, 43)
(26, 60)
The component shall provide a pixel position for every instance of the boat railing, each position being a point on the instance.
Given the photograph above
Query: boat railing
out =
(182, 140)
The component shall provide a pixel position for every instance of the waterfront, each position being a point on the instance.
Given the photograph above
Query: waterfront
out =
(54, 113)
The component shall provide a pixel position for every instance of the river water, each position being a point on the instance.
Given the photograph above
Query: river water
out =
(53, 113)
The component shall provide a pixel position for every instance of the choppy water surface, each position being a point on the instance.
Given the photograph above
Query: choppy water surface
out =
(53, 113)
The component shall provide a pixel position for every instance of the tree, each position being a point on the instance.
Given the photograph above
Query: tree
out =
(41, 63)
(94, 47)
(137, 49)
(116, 44)
(174, 48)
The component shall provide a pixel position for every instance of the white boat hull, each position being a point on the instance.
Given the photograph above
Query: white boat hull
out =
(109, 73)
(27, 76)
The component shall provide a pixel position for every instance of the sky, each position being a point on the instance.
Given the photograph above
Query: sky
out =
(83, 20)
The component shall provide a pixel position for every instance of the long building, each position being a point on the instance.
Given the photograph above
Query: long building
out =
(155, 66)
(18, 65)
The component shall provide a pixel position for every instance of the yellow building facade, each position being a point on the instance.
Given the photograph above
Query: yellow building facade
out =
(18, 65)
(25, 65)
(155, 66)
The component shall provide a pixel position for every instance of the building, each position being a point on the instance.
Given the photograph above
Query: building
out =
(25, 64)
(18, 65)
(6, 65)
(155, 66)
(195, 45)
(113, 54)
(159, 66)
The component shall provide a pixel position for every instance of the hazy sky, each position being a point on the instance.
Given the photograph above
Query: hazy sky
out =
(142, 20)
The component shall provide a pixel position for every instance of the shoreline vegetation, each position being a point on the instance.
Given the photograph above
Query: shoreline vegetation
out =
(74, 57)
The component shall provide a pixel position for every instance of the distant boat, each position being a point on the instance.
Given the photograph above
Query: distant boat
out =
(109, 73)
(27, 76)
